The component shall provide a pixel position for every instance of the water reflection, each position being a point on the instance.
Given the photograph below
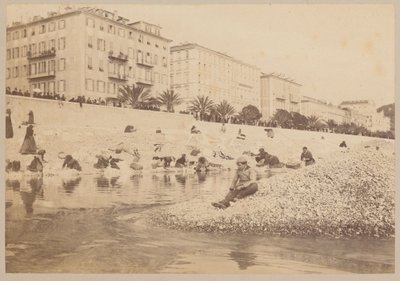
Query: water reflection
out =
(29, 197)
(15, 184)
(201, 176)
(162, 180)
(243, 252)
(102, 181)
(242, 256)
(70, 184)
(181, 178)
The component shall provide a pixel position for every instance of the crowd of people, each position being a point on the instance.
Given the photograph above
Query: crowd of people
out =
(35, 94)
(55, 96)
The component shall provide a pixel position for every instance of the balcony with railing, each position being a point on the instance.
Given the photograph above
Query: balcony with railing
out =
(118, 56)
(117, 76)
(144, 63)
(144, 82)
(40, 55)
(42, 75)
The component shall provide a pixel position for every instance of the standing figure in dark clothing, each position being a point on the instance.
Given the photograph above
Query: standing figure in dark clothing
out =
(31, 120)
(9, 128)
(307, 157)
(29, 144)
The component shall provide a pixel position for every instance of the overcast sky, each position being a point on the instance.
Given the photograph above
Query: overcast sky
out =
(337, 52)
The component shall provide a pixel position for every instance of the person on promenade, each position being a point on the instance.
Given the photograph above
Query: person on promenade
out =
(29, 144)
(181, 162)
(223, 128)
(307, 157)
(9, 127)
(243, 184)
(31, 119)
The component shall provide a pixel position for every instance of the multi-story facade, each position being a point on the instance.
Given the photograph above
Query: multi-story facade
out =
(323, 110)
(88, 52)
(372, 120)
(278, 93)
(199, 71)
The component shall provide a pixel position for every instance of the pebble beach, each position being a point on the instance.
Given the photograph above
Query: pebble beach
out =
(350, 194)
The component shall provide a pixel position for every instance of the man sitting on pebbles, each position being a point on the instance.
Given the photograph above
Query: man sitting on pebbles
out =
(243, 184)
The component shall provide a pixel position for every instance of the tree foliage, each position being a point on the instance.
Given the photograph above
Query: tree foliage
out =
(136, 96)
(169, 99)
(201, 105)
(282, 118)
(299, 121)
(224, 110)
(250, 114)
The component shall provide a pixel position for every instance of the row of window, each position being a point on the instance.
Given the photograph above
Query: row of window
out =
(208, 70)
(42, 28)
(51, 86)
(110, 28)
(141, 56)
(36, 48)
(213, 60)
(35, 68)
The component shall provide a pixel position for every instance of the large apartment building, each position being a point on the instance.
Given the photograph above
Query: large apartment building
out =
(323, 110)
(86, 51)
(200, 71)
(372, 120)
(278, 92)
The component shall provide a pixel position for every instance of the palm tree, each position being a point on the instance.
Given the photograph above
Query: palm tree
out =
(135, 96)
(169, 99)
(313, 122)
(202, 105)
(224, 110)
(332, 125)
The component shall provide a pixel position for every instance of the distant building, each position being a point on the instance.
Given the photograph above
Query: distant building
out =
(278, 93)
(87, 51)
(321, 109)
(200, 71)
(372, 120)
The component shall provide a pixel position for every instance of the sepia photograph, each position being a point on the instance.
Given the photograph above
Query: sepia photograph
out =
(250, 139)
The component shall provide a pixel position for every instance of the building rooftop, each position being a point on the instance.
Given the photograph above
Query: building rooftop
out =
(280, 76)
(185, 46)
(145, 22)
(357, 102)
(311, 99)
(112, 16)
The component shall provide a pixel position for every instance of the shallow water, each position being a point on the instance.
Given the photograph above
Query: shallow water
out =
(94, 224)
